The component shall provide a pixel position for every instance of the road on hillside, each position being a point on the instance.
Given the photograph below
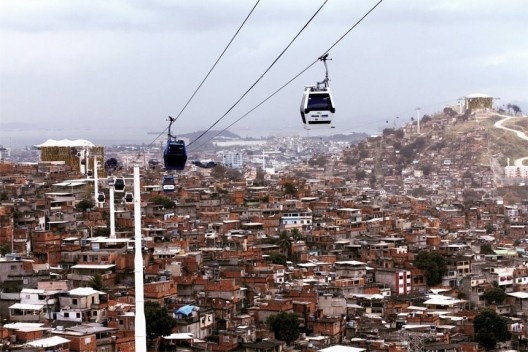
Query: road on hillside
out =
(520, 134)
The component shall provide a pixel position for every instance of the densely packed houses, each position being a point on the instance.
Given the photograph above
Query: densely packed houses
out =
(223, 254)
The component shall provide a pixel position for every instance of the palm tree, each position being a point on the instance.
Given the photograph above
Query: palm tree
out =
(284, 242)
(96, 282)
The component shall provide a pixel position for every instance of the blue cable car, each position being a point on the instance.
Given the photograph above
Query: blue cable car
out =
(317, 105)
(175, 153)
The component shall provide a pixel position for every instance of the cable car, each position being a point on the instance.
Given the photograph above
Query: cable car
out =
(205, 164)
(317, 104)
(101, 198)
(119, 184)
(129, 197)
(175, 153)
(168, 184)
(110, 180)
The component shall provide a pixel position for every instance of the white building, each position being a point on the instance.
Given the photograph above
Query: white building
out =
(233, 160)
(81, 305)
(516, 171)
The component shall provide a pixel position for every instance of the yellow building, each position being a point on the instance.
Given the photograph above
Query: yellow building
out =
(78, 154)
(478, 101)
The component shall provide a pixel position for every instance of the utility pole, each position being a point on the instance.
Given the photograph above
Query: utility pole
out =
(418, 116)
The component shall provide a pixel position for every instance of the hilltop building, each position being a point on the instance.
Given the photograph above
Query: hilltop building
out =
(77, 154)
(478, 101)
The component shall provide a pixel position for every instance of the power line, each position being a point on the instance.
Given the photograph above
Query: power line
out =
(292, 79)
(210, 71)
(261, 76)
(217, 60)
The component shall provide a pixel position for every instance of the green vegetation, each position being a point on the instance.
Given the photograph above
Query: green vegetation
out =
(158, 321)
(166, 202)
(494, 295)
(486, 248)
(490, 328)
(434, 266)
(285, 326)
(85, 204)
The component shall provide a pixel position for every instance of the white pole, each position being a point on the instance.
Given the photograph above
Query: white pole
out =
(96, 186)
(418, 115)
(140, 326)
(112, 213)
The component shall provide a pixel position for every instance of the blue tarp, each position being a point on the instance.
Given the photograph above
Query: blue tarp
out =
(186, 310)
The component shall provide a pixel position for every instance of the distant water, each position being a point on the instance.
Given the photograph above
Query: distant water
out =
(20, 138)
(23, 138)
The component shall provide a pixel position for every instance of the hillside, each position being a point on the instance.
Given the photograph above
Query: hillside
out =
(447, 141)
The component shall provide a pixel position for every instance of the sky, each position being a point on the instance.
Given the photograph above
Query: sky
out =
(111, 71)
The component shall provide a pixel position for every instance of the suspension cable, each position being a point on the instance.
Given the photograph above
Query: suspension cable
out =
(217, 60)
(292, 79)
(206, 76)
(261, 76)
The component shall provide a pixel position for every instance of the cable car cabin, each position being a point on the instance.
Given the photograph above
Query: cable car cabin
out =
(175, 155)
(119, 184)
(129, 197)
(317, 108)
(101, 198)
(168, 184)
(110, 180)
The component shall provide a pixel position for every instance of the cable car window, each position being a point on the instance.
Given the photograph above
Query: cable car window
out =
(319, 102)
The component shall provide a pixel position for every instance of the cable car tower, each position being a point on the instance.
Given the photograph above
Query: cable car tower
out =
(317, 105)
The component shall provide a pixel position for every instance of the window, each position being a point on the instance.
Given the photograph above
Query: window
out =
(74, 301)
(66, 315)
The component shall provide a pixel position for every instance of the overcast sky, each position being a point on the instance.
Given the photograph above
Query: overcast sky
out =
(111, 71)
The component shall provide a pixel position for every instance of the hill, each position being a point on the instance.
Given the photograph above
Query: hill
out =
(463, 149)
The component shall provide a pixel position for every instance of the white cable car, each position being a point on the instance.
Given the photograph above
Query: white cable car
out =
(317, 104)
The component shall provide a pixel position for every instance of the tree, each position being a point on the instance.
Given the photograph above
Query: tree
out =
(278, 258)
(166, 202)
(319, 161)
(234, 175)
(494, 295)
(260, 176)
(289, 188)
(490, 328)
(158, 322)
(284, 242)
(219, 172)
(360, 175)
(434, 266)
(96, 282)
(85, 204)
(285, 326)
(490, 228)
(4, 249)
(486, 248)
